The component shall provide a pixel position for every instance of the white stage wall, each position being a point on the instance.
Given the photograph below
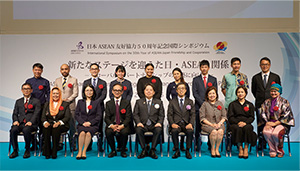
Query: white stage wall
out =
(165, 51)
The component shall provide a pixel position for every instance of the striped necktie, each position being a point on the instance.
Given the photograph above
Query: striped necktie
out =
(64, 83)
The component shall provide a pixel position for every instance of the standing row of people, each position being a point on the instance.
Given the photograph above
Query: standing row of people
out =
(59, 111)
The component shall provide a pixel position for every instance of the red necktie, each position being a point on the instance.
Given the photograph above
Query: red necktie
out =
(117, 113)
(204, 81)
(26, 106)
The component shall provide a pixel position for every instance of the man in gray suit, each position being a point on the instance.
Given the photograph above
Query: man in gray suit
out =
(200, 84)
(181, 117)
(148, 115)
(69, 89)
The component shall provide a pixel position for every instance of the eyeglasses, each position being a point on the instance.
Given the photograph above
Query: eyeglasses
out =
(118, 91)
(180, 88)
(26, 89)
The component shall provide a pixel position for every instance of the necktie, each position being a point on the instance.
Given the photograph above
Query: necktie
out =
(204, 81)
(181, 104)
(148, 106)
(265, 80)
(25, 105)
(64, 83)
(117, 112)
(94, 82)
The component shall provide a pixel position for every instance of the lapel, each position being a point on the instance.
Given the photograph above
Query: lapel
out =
(270, 80)
(68, 80)
(260, 80)
(177, 105)
(84, 106)
(22, 105)
(184, 105)
(201, 82)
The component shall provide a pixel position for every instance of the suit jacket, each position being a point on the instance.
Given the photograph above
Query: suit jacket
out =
(63, 115)
(32, 115)
(93, 116)
(199, 89)
(100, 92)
(176, 115)
(156, 115)
(70, 92)
(259, 91)
(110, 112)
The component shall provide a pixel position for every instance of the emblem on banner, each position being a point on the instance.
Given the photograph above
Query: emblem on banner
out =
(221, 47)
(79, 49)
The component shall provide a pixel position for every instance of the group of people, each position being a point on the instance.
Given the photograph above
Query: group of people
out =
(55, 111)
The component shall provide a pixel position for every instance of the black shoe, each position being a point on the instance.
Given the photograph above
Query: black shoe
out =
(54, 156)
(188, 154)
(143, 154)
(14, 154)
(218, 155)
(78, 158)
(112, 154)
(60, 146)
(83, 157)
(26, 154)
(152, 154)
(176, 154)
(47, 157)
(123, 154)
(213, 156)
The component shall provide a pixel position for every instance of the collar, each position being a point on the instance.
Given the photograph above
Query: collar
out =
(239, 73)
(149, 99)
(118, 99)
(262, 74)
(204, 76)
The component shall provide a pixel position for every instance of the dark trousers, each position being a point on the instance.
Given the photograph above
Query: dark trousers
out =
(55, 134)
(189, 136)
(140, 133)
(15, 130)
(110, 135)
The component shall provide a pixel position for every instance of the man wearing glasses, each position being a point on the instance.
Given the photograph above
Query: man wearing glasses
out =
(117, 118)
(25, 119)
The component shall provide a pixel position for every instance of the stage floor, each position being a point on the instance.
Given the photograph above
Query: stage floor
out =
(205, 162)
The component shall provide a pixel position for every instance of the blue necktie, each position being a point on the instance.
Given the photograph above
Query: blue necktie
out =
(94, 82)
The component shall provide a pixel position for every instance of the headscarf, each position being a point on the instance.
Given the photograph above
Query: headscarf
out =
(54, 111)
(276, 87)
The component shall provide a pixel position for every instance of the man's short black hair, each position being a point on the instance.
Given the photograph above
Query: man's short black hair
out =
(39, 65)
(235, 59)
(204, 62)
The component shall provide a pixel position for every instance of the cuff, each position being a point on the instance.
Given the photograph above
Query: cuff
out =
(61, 122)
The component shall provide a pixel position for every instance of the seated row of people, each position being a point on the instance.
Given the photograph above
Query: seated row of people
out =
(148, 115)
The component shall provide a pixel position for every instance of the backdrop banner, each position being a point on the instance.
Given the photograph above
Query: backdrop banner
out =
(165, 51)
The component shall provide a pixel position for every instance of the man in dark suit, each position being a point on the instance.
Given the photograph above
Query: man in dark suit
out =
(181, 117)
(117, 118)
(101, 91)
(25, 115)
(148, 115)
(200, 84)
(261, 84)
